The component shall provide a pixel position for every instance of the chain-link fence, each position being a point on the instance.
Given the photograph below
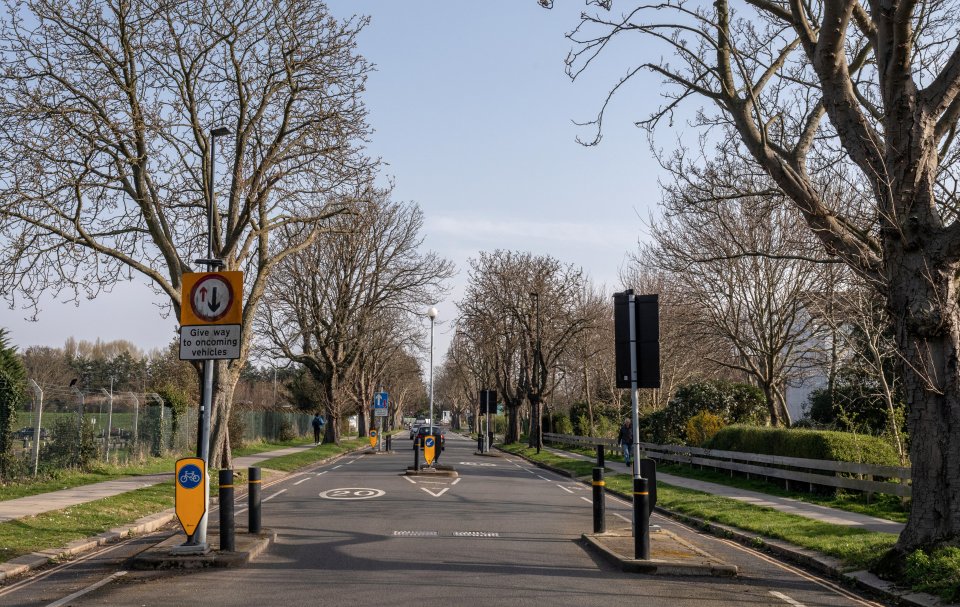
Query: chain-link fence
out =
(69, 429)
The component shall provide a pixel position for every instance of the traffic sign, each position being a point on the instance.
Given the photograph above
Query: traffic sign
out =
(381, 402)
(211, 298)
(191, 488)
(429, 449)
(210, 342)
(373, 438)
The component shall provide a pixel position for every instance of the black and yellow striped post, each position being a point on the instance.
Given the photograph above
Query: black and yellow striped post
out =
(599, 508)
(253, 499)
(227, 526)
(641, 519)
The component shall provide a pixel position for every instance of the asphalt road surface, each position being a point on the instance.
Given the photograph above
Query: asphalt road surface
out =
(358, 532)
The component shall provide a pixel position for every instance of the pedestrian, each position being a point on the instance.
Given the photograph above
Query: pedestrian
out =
(626, 439)
(318, 423)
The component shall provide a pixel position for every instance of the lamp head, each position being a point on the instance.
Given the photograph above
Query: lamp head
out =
(432, 312)
(220, 131)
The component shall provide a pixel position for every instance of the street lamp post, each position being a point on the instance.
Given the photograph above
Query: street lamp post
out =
(432, 313)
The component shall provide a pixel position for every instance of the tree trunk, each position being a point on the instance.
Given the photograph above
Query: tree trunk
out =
(332, 432)
(224, 384)
(513, 423)
(927, 320)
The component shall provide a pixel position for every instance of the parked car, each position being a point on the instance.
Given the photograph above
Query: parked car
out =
(26, 433)
(424, 431)
(420, 421)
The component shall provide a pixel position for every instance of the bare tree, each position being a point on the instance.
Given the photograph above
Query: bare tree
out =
(104, 130)
(744, 264)
(838, 94)
(325, 301)
(525, 336)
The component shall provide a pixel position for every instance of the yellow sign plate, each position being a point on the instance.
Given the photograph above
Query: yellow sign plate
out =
(429, 449)
(190, 483)
(373, 438)
(211, 298)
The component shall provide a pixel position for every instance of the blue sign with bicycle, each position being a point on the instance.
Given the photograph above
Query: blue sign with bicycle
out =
(190, 492)
(190, 476)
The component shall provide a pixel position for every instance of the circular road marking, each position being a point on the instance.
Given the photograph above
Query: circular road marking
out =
(351, 493)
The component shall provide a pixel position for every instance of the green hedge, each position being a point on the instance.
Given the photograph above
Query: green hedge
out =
(812, 444)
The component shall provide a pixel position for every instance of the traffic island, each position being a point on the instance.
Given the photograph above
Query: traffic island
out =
(162, 556)
(438, 470)
(669, 555)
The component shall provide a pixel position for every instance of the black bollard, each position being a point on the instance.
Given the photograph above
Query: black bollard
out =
(479, 443)
(648, 470)
(599, 508)
(389, 442)
(416, 454)
(600, 457)
(641, 518)
(253, 500)
(227, 525)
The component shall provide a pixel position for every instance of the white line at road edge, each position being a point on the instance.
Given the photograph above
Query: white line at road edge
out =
(302, 481)
(586, 499)
(67, 599)
(784, 597)
(274, 495)
(410, 479)
(565, 489)
(623, 517)
(335, 467)
(544, 478)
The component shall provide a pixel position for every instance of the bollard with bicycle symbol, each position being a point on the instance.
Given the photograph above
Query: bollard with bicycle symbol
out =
(190, 491)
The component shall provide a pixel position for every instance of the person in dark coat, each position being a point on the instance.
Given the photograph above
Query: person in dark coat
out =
(625, 438)
(317, 423)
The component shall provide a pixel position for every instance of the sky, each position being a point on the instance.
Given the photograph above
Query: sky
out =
(474, 117)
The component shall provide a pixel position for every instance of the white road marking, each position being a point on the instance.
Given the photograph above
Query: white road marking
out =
(623, 517)
(68, 599)
(351, 461)
(335, 467)
(244, 509)
(324, 472)
(586, 499)
(410, 479)
(437, 494)
(544, 478)
(564, 488)
(456, 481)
(302, 481)
(787, 599)
(274, 495)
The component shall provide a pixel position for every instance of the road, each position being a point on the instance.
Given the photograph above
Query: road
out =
(358, 532)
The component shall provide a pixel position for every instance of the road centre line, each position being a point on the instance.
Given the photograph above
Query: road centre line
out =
(565, 489)
(456, 481)
(787, 599)
(274, 495)
(544, 478)
(337, 466)
(407, 478)
(623, 517)
(68, 599)
(586, 499)
(302, 481)
(324, 472)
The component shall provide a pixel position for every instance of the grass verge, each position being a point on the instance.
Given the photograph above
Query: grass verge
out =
(58, 528)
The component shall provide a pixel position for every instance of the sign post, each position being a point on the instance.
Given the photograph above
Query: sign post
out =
(488, 404)
(637, 335)
(211, 313)
(381, 406)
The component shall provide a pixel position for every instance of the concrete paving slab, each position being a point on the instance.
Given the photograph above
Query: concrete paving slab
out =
(669, 554)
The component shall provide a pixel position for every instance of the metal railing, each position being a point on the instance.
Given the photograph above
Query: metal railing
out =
(869, 478)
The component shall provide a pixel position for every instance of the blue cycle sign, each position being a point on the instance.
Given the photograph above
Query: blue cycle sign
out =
(190, 476)
(189, 492)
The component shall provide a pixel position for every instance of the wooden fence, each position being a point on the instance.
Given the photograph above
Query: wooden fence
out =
(869, 478)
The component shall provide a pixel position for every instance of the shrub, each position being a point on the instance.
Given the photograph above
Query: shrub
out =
(702, 427)
(562, 424)
(68, 447)
(811, 444)
(730, 402)
(286, 432)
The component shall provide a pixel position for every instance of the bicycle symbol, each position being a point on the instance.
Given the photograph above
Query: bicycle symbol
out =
(190, 476)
